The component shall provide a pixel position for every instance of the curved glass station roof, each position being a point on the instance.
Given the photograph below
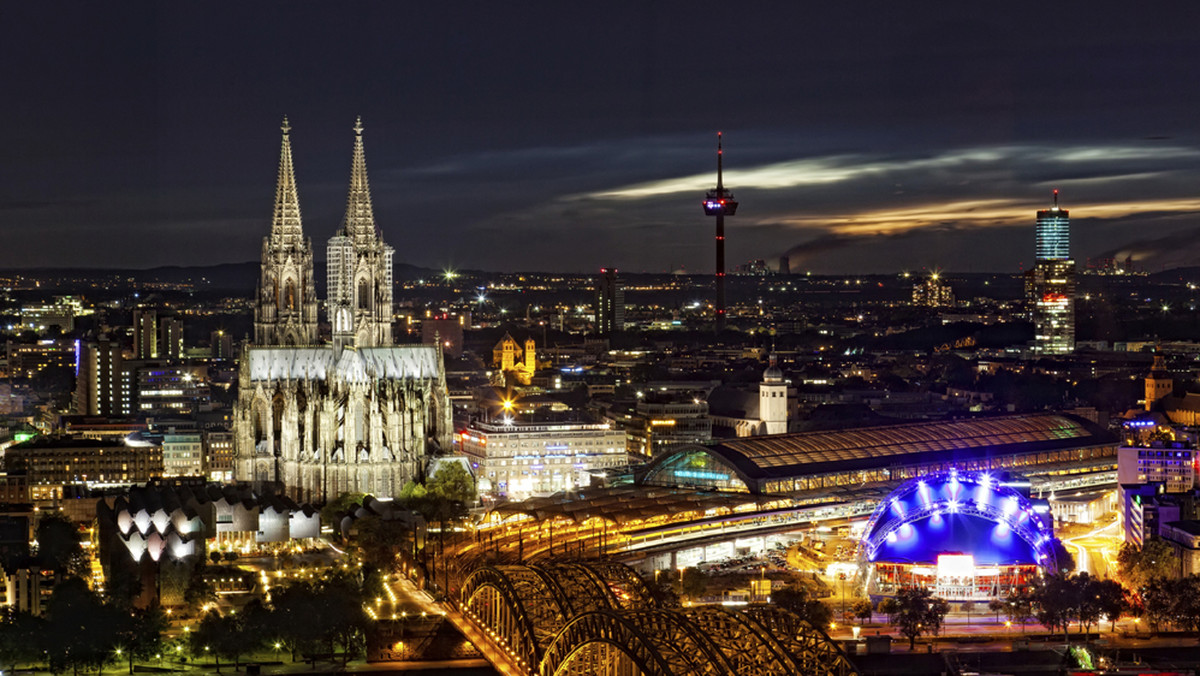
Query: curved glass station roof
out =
(752, 461)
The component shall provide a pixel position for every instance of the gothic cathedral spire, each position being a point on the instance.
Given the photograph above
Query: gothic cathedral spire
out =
(359, 221)
(286, 309)
(285, 222)
(359, 266)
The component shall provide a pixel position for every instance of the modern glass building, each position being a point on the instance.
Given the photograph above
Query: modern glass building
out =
(1053, 240)
(1050, 285)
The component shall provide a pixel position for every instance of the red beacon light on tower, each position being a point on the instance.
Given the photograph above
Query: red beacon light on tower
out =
(716, 202)
(719, 201)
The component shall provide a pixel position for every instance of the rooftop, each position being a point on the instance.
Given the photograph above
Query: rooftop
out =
(626, 503)
(809, 453)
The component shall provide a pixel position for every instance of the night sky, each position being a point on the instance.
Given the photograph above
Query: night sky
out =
(860, 137)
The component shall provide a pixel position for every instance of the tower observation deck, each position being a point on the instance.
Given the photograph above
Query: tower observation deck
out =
(719, 203)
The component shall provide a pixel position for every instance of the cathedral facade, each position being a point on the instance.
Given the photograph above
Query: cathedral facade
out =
(358, 415)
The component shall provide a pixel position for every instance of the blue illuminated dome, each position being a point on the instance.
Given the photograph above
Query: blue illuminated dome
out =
(975, 513)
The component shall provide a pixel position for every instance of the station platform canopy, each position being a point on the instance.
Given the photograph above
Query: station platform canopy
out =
(625, 504)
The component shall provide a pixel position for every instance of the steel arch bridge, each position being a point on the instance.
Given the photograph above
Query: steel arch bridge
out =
(576, 619)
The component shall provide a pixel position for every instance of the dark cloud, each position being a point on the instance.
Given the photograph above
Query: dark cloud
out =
(147, 133)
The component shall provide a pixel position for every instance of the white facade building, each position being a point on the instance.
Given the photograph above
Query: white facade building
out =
(520, 460)
(773, 400)
(183, 454)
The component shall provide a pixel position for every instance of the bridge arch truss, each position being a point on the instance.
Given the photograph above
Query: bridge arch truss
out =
(571, 619)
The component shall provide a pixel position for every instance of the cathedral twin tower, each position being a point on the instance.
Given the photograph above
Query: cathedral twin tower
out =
(359, 307)
(360, 414)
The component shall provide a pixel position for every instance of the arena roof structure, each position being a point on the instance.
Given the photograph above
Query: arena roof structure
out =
(985, 515)
(785, 463)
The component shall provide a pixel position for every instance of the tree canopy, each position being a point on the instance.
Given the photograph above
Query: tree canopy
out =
(452, 482)
(1139, 565)
(797, 599)
(915, 611)
(58, 545)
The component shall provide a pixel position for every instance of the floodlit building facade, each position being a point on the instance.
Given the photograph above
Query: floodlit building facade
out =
(359, 266)
(358, 416)
(517, 460)
(1050, 284)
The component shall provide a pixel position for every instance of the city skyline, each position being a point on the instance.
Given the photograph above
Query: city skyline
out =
(146, 136)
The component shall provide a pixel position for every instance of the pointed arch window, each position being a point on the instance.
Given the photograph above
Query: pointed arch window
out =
(364, 295)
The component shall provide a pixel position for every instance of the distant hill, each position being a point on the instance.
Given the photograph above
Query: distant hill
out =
(224, 276)
(1176, 275)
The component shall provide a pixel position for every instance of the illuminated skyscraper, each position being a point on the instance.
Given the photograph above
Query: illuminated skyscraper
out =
(1053, 233)
(145, 334)
(1050, 285)
(610, 303)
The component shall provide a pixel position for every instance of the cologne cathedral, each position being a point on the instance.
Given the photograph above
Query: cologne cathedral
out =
(357, 415)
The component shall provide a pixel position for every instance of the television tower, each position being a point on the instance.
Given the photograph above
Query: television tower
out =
(718, 203)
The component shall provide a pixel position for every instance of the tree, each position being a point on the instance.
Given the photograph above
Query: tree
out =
(663, 594)
(228, 636)
(997, 606)
(796, 599)
(1087, 594)
(340, 601)
(139, 633)
(58, 546)
(1056, 601)
(915, 611)
(19, 638)
(454, 483)
(209, 637)
(199, 590)
(938, 609)
(122, 585)
(1112, 600)
(412, 491)
(378, 540)
(1158, 598)
(1059, 599)
(215, 556)
(862, 610)
(332, 512)
(1185, 603)
(1018, 606)
(79, 628)
(1139, 565)
(290, 620)
(692, 583)
(1063, 558)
